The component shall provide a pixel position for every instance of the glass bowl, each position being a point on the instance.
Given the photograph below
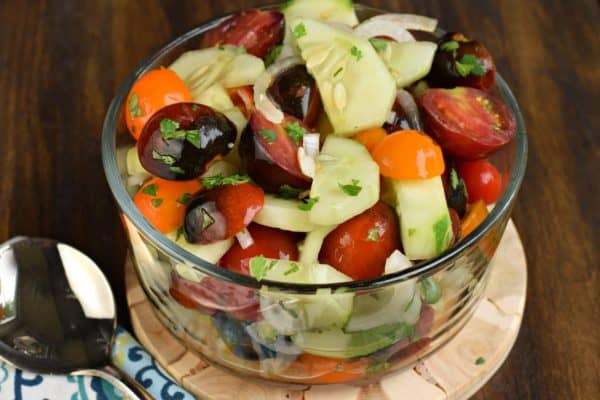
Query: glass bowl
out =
(299, 337)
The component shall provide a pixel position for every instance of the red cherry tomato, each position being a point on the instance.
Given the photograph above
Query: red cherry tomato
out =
(360, 246)
(482, 179)
(269, 242)
(255, 30)
(468, 123)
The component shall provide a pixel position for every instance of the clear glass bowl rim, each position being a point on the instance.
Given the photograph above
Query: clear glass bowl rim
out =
(125, 202)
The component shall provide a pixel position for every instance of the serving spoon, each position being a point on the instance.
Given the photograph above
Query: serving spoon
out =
(57, 316)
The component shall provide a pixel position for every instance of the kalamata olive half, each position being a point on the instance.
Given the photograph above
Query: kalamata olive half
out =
(459, 61)
(296, 93)
(270, 155)
(181, 139)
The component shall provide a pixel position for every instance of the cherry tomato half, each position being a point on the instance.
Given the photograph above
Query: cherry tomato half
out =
(269, 242)
(360, 246)
(153, 91)
(468, 123)
(482, 179)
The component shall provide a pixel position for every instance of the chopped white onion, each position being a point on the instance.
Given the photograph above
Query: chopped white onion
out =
(137, 179)
(244, 238)
(262, 101)
(396, 262)
(409, 21)
(391, 117)
(407, 102)
(307, 163)
(310, 142)
(372, 28)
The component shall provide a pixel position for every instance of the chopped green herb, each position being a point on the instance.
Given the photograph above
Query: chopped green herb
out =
(179, 233)
(373, 235)
(169, 160)
(480, 361)
(355, 51)
(338, 71)
(259, 267)
(134, 106)
(295, 132)
(272, 55)
(453, 179)
(441, 233)
(377, 366)
(176, 170)
(469, 64)
(269, 135)
(430, 290)
(150, 190)
(184, 199)
(195, 107)
(294, 268)
(450, 46)
(193, 136)
(308, 204)
(288, 192)
(379, 44)
(412, 231)
(352, 189)
(167, 125)
(299, 31)
(169, 129)
(210, 182)
(207, 219)
(156, 202)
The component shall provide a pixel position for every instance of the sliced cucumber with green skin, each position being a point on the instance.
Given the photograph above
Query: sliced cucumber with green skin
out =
(356, 87)
(284, 214)
(297, 272)
(341, 11)
(336, 343)
(408, 61)
(343, 162)
(134, 166)
(209, 252)
(400, 304)
(425, 224)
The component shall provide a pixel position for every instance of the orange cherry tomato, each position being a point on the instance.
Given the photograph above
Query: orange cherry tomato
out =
(163, 202)
(330, 370)
(476, 213)
(409, 155)
(370, 138)
(153, 91)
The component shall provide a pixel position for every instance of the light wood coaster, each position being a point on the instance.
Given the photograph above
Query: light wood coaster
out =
(449, 373)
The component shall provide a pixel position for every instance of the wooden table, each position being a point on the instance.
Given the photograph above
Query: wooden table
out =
(61, 62)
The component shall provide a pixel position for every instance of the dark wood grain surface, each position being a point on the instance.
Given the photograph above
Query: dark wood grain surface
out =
(61, 62)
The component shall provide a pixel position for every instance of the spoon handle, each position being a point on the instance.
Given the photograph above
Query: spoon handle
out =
(131, 359)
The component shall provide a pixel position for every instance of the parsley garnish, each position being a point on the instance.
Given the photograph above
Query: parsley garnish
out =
(259, 267)
(469, 64)
(294, 268)
(169, 129)
(288, 192)
(450, 46)
(207, 219)
(150, 190)
(299, 31)
(336, 73)
(352, 189)
(210, 182)
(373, 235)
(179, 233)
(480, 361)
(176, 170)
(453, 179)
(295, 131)
(134, 106)
(308, 204)
(269, 135)
(184, 199)
(379, 44)
(272, 55)
(156, 202)
(355, 51)
(169, 160)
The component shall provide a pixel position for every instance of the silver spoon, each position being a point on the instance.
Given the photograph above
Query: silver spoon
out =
(57, 316)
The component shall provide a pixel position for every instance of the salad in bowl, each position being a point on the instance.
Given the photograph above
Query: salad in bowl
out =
(313, 192)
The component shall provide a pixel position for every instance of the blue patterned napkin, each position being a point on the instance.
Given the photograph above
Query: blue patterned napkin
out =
(128, 355)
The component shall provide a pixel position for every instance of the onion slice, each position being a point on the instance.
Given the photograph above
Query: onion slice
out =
(407, 102)
(373, 28)
(244, 238)
(310, 142)
(396, 262)
(262, 102)
(408, 21)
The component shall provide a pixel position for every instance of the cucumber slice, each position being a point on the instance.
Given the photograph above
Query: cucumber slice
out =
(297, 272)
(340, 62)
(216, 97)
(284, 214)
(401, 304)
(209, 252)
(425, 224)
(408, 61)
(341, 11)
(134, 166)
(311, 246)
(336, 343)
(342, 162)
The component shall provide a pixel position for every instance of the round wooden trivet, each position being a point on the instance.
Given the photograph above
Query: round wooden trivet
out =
(449, 373)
